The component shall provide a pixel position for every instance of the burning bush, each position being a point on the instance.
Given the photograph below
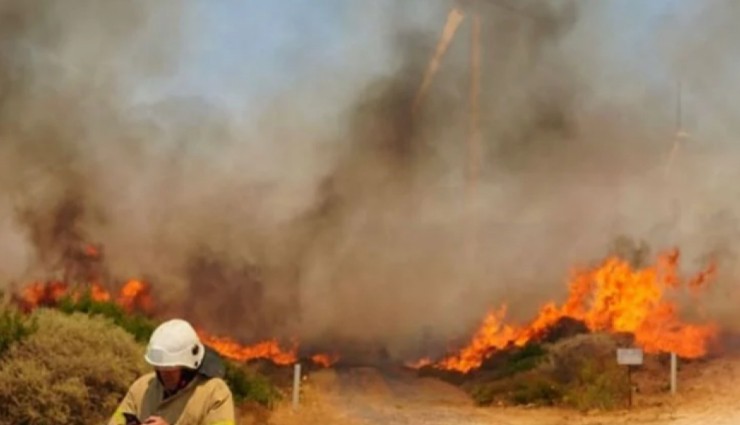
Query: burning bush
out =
(73, 369)
(611, 297)
(515, 376)
(138, 325)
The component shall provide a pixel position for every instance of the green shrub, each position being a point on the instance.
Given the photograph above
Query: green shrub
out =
(140, 326)
(523, 360)
(586, 367)
(600, 385)
(513, 378)
(579, 372)
(251, 386)
(245, 385)
(14, 326)
(73, 370)
(531, 388)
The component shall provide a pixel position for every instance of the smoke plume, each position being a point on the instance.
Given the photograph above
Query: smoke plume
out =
(334, 214)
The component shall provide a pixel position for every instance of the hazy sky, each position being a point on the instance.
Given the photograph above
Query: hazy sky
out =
(240, 52)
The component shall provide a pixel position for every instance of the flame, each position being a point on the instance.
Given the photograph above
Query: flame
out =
(42, 294)
(135, 295)
(325, 360)
(97, 293)
(91, 250)
(613, 298)
(493, 334)
(231, 349)
(49, 294)
(418, 364)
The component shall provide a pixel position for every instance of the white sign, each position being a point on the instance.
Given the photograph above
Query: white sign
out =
(629, 356)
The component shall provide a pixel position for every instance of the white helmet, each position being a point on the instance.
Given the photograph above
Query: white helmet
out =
(175, 343)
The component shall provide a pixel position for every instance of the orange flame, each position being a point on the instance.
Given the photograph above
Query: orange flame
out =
(42, 294)
(135, 295)
(418, 364)
(91, 250)
(611, 298)
(97, 293)
(325, 360)
(231, 349)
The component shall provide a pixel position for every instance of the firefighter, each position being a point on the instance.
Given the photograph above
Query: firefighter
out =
(186, 386)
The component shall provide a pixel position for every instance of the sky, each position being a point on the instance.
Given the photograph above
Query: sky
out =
(240, 54)
(245, 50)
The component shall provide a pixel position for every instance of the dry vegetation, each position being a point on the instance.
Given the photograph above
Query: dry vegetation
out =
(73, 365)
(578, 372)
(73, 370)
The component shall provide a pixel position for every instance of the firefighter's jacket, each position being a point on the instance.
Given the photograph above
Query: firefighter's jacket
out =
(206, 400)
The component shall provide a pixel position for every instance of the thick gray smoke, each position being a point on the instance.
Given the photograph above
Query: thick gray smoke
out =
(333, 213)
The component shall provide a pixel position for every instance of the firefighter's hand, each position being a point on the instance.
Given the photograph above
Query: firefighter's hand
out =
(155, 420)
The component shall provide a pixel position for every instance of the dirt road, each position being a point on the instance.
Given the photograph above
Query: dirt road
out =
(367, 396)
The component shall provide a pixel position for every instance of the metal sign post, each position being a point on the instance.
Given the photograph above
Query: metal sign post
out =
(296, 384)
(674, 366)
(630, 357)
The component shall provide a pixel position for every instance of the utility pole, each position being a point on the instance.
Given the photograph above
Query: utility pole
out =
(473, 150)
(474, 138)
(678, 136)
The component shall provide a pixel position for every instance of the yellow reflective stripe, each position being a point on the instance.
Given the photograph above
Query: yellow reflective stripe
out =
(118, 417)
(229, 422)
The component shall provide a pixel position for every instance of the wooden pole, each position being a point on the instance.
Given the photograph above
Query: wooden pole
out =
(677, 137)
(679, 134)
(473, 149)
(472, 145)
(454, 19)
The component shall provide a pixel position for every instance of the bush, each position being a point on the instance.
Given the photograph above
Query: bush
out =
(523, 360)
(14, 326)
(586, 367)
(580, 372)
(251, 386)
(531, 388)
(73, 370)
(601, 385)
(245, 385)
(512, 377)
(140, 326)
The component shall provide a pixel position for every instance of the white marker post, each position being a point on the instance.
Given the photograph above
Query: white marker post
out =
(674, 368)
(629, 357)
(296, 384)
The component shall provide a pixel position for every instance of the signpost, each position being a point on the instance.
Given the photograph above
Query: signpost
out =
(296, 384)
(630, 357)
(674, 366)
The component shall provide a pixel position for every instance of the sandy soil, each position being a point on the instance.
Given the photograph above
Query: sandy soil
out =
(363, 396)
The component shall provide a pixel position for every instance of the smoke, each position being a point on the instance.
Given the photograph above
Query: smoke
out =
(332, 213)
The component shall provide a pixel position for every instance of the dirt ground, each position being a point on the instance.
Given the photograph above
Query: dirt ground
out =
(364, 396)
